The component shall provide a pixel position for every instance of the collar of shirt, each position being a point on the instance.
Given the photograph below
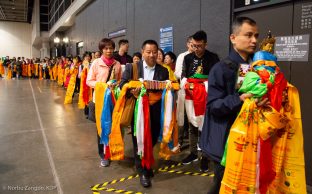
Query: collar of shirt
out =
(146, 66)
(148, 71)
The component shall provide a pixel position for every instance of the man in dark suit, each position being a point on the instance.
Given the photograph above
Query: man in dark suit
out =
(148, 69)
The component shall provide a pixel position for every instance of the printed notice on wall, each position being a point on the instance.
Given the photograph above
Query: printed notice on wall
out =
(292, 48)
(306, 16)
(166, 39)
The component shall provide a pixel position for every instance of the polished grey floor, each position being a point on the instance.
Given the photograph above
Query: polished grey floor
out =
(49, 147)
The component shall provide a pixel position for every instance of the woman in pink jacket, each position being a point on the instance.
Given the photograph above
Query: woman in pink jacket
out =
(104, 69)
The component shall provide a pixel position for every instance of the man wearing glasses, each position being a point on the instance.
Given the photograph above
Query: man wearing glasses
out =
(194, 76)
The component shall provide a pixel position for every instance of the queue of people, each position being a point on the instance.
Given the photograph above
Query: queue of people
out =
(249, 133)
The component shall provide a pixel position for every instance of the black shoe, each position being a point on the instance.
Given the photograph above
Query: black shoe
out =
(203, 164)
(145, 181)
(190, 158)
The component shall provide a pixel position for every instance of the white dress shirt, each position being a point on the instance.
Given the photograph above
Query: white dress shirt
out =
(179, 64)
(148, 71)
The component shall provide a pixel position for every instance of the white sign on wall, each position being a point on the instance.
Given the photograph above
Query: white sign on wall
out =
(292, 48)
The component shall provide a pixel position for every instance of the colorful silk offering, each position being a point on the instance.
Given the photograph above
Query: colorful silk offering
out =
(265, 145)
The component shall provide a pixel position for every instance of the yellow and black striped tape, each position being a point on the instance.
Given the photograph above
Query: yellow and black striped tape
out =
(102, 187)
(186, 173)
(115, 191)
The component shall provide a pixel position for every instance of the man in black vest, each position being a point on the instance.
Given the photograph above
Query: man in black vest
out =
(199, 61)
(122, 54)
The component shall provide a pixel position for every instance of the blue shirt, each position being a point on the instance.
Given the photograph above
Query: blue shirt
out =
(148, 71)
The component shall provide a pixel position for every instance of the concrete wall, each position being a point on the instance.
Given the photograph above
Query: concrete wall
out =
(15, 39)
(142, 20)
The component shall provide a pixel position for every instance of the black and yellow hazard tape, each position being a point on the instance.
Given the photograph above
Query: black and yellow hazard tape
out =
(115, 191)
(102, 187)
(186, 172)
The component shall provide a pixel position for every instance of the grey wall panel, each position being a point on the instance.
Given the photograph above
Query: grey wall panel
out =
(95, 25)
(183, 15)
(117, 12)
(215, 21)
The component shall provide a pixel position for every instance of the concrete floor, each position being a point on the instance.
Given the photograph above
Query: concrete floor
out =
(48, 147)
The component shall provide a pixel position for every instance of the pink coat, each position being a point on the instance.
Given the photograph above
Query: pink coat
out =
(99, 72)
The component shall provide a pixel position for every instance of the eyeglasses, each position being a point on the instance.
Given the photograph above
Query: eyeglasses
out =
(198, 46)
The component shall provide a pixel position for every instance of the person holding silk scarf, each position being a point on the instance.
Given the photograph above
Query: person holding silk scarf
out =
(147, 69)
(102, 70)
(264, 151)
(224, 101)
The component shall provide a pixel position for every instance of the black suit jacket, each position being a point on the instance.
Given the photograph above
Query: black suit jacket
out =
(161, 73)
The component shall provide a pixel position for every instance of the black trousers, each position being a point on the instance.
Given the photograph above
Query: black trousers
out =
(100, 147)
(155, 111)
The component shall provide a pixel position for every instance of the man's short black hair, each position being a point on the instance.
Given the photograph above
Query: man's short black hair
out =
(200, 35)
(239, 21)
(152, 42)
(123, 41)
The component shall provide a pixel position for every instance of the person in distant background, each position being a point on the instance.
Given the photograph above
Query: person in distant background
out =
(122, 54)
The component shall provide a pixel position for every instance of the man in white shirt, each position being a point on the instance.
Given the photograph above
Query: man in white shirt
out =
(180, 59)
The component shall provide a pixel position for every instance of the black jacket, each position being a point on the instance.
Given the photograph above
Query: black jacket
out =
(191, 62)
(222, 107)
(118, 57)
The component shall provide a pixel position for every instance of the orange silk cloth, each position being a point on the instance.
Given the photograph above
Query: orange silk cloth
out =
(285, 130)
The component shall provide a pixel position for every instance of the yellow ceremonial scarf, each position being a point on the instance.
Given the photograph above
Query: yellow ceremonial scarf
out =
(1, 68)
(40, 72)
(285, 130)
(9, 75)
(99, 91)
(54, 72)
(171, 73)
(71, 87)
(81, 103)
(116, 144)
(60, 76)
(29, 70)
(36, 69)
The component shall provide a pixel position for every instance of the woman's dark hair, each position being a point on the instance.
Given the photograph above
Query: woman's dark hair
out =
(87, 53)
(172, 56)
(162, 52)
(137, 54)
(106, 42)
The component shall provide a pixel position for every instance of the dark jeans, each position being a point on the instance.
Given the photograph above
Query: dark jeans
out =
(155, 129)
(183, 129)
(100, 147)
(194, 133)
(218, 175)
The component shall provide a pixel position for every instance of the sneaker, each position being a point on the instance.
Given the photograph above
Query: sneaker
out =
(203, 164)
(190, 158)
(105, 163)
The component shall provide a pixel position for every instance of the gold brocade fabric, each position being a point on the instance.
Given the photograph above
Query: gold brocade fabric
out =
(60, 75)
(285, 130)
(116, 144)
(71, 87)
